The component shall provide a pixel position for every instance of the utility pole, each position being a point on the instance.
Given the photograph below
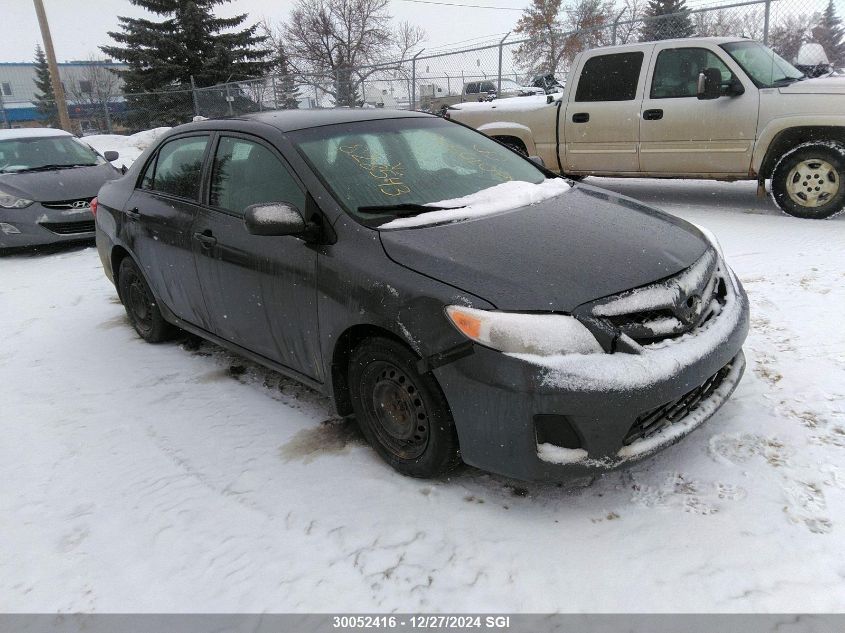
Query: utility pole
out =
(58, 90)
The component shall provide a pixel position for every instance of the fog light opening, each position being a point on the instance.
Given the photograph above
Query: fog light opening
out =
(556, 430)
(9, 229)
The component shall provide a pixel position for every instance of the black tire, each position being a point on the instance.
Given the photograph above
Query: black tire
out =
(514, 144)
(809, 181)
(140, 304)
(402, 413)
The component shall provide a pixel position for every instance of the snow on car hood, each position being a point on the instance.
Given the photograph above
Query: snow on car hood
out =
(60, 184)
(501, 197)
(553, 255)
(819, 85)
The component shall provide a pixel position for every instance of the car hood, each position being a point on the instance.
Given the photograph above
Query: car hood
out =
(554, 255)
(59, 185)
(819, 85)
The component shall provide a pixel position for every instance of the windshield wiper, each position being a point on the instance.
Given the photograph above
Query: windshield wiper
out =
(785, 81)
(52, 167)
(402, 210)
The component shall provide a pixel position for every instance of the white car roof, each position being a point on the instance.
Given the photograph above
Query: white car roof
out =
(31, 132)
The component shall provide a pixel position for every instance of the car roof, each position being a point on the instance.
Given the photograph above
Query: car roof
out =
(680, 42)
(291, 120)
(31, 132)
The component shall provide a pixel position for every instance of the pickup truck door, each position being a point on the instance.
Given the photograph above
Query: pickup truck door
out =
(680, 134)
(602, 116)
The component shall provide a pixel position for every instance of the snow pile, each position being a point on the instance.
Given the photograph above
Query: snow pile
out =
(129, 147)
(503, 197)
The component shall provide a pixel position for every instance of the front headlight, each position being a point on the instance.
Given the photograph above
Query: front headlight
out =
(515, 333)
(8, 201)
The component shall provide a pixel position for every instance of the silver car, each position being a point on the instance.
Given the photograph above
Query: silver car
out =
(47, 180)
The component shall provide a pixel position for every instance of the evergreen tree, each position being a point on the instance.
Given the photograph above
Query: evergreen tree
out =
(664, 28)
(287, 92)
(188, 42)
(45, 99)
(830, 34)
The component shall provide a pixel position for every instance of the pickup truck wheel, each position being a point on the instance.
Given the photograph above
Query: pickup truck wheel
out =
(809, 181)
(402, 413)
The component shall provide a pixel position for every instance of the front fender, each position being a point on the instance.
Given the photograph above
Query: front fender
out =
(780, 124)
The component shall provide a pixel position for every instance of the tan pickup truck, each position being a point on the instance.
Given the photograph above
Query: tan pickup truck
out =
(716, 108)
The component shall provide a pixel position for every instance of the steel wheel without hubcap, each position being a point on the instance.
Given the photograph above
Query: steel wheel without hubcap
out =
(396, 404)
(812, 183)
(140, 304)
(402, 412)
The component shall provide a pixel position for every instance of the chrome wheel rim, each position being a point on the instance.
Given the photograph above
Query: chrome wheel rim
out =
(812, 183)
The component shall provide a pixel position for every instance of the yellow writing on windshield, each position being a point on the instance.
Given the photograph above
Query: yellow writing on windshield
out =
(388, 177)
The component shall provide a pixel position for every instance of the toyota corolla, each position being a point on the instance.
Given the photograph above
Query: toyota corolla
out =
(463, 303)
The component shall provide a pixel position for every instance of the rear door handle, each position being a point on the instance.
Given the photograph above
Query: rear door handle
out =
(133, 213)
(580, 117)
(206, 239)
(652, 115)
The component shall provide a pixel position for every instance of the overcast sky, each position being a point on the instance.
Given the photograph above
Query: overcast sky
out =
(80, 26)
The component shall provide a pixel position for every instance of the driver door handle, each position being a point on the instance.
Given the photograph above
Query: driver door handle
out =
(652, 115)
(206, 239)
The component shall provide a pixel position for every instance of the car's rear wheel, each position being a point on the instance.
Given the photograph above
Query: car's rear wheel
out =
(809, 181)
(140, 304)
(402, 413)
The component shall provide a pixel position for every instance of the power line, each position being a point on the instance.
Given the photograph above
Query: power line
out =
(469, 6)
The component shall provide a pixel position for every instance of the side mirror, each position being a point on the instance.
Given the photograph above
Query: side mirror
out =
(111, 156)
(537, 161)
(710, 83)
(274, 218)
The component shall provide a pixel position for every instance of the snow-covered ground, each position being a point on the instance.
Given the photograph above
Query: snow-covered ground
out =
(179, 477)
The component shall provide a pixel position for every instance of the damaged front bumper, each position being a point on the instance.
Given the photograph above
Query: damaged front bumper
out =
(553, 418)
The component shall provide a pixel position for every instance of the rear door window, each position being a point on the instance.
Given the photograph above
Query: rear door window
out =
(610, 77)
(178, 168)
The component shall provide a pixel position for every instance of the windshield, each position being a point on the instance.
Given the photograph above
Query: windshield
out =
(765, 67)
(397, 163)
(28, 154)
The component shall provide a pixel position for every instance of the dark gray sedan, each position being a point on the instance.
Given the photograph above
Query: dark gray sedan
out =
(463, 303)
(47, 180)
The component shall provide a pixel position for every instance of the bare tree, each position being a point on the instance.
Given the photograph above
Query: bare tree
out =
(628, 17)
(96, 88)
(787, 36)
(543, 48)
(336, 45)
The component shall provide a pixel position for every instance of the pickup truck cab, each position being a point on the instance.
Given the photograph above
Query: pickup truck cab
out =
(715, 108)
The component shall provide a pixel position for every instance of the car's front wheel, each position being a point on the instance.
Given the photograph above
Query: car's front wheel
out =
(141, 306)
(809, 181)
(402, 413)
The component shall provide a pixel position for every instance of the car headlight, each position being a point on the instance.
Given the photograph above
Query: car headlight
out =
(519, 333)
(8, 201)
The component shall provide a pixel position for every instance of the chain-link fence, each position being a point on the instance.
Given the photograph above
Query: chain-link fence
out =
(508, 66)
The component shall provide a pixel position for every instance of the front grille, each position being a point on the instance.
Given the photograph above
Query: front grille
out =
(69, 228)
(669, 308)
(82, 203)
(654, 421)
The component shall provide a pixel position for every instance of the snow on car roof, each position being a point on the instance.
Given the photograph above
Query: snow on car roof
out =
(31, 132)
